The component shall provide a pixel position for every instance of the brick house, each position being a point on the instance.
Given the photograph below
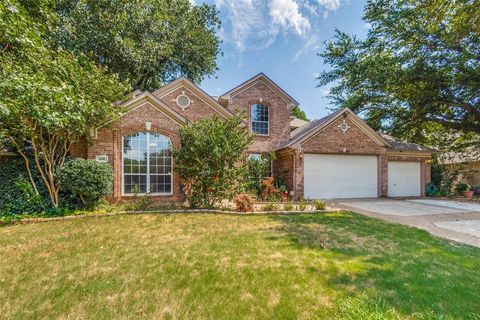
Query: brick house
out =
(338, 156)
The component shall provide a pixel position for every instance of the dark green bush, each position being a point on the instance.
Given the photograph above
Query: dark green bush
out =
(89, 180)
(17, 195)
(462, 187)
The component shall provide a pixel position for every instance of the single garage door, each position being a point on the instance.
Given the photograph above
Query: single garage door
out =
(340, 176)
(403, 179)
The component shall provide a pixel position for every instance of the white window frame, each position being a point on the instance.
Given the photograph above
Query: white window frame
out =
(148, 169)
(267, 122)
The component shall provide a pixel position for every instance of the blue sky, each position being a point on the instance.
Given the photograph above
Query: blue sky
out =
(281, 38)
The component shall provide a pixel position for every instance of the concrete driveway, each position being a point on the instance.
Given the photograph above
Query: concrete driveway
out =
(457, 221)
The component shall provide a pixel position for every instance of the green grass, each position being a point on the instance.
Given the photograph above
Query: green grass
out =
(203, 266)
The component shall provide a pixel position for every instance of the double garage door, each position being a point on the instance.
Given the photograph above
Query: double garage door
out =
(356, 176)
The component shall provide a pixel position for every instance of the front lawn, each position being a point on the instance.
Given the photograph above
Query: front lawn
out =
(198, 266)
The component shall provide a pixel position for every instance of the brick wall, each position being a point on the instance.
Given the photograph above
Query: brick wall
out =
(279, 115)
(332, 140)
(198, 109)
(109, 142)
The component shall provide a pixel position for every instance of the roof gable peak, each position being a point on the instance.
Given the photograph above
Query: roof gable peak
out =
(265, 79)
(196, 90)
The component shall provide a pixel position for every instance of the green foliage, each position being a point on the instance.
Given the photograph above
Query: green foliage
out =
(288, 206)
(417, 71)
(437, 172)
(258, 169)
(299, 114)
(49, 97)
(145, 42)
(270, 207)
(462, 187)
(16, 193)
(319, 204)
(211, 161)
(243, 203)
(90, 180)
(302, 204)
(22, 199)
(138, 202)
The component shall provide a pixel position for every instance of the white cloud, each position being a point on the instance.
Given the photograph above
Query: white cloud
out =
(311, 44)
(329, 5)
(286, 13)
(255, 24)
(250, 27)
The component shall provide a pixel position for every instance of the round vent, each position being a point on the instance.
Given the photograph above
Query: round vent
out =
(183, 101)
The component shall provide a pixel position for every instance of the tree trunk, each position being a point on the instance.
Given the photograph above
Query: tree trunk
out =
(27, 164)
(52, 152)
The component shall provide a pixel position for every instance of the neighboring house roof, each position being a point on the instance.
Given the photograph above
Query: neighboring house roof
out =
(268, 82)
(297, 123)
(301, 134)
(196, 90)
(401, 145)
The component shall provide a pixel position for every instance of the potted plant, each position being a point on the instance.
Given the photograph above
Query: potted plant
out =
(468, 193)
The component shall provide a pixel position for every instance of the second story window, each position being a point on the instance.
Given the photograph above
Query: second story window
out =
(260, 119)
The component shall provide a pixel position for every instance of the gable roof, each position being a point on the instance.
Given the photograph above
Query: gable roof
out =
(303, 133)
(268, 82)
(196, 90)
(401, 145)
(138, 99)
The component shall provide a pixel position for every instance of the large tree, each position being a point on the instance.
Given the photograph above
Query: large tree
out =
(49, 97)
(417, 71)
(147, 42)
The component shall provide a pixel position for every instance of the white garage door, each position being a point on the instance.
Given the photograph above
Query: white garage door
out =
(403, 179)
(340, 176)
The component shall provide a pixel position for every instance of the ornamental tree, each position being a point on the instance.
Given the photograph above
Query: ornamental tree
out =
(48, 98)
(212, 160)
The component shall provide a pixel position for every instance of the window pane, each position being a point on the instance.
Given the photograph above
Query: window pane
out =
(160, 183)
(146, 154)
(259, 119)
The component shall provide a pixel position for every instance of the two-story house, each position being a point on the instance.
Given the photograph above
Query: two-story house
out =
(338, 156)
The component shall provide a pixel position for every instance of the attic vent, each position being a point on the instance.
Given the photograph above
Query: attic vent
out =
(183, 101)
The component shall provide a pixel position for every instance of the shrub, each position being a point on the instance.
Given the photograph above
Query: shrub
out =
(462, 187)
(17, 195)
(269, 191)
(90, 180)
(302, 204)
(138, 202)
(288, 206)
(270, 207)
(23, 199)
(320, 204)
(243, 203)
(211, 160)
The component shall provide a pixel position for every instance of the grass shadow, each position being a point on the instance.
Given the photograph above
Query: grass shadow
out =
(406, 268)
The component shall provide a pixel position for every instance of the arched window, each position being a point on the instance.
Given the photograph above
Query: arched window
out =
(147, 163)
(260, 119)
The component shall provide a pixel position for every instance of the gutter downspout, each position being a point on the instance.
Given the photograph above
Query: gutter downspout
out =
(294, 175)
